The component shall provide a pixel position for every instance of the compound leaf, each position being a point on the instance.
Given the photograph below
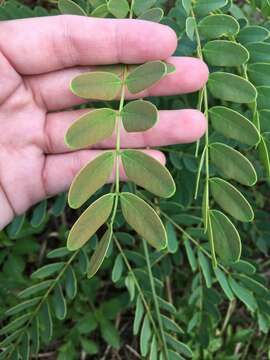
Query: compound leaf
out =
(233, 164)
(148, 173)
(91, 178)
(146, 75)
(139, 115)
(99, 85)
(144, 220)
(91, 128)
(100, 253)
(231, 200)
(90, 221)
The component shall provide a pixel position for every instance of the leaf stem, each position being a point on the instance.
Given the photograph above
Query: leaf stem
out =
(137, 286)
(152, 283)
(206, 148)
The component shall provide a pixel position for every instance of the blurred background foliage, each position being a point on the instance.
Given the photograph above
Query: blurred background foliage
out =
(65, 316)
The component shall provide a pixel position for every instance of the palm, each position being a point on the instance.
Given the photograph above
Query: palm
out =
(34, 160)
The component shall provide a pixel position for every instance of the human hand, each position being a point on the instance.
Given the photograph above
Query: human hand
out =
(38, 59)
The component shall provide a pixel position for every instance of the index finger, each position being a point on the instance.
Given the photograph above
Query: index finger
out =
(41, 45)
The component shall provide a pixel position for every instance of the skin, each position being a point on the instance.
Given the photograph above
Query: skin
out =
(38, 59)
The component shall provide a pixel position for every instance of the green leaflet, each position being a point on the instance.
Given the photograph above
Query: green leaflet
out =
(215, 26)
(32, 290)
(259, 52)
(187, 5)
(90, 221)
(144, 220)
(70, 7)
(148, 173)
(145, 337)
(99, 85)
(231, 200)
(59, 303)
(22, 306)
(264, 156)
(234, 125)
(243, 294)
(117, 268)
(227, 241)
(233, 164)
(190, 27)
(252, 34)
(154, 349)
(15, 324)
(71, 283)
(223, 282)
(206, 270)
(39, 214)
(174, 355)
(91, 178)
(178, 346)
(204, 7)
(138, 316)
(25, 346)
(244, 267)
(91, 128)
(45, 318)
(173, 243)
(253, 285)
(139, 115)
(263, 97)
(100, 11)
(100, 253)
(47, 270)
(190, 254)
(155, 15)
(225, 53)
(146, 75)
(264, 121)
(119, 8)
(230, 87)
(170, 325)
(171, 69)
(141, 6)
(259, 74)
(15, 226)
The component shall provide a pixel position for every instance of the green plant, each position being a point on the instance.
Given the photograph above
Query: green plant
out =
(220, 172)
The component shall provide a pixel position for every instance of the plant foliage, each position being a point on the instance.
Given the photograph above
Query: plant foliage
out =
(185, 249)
